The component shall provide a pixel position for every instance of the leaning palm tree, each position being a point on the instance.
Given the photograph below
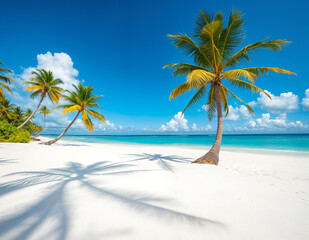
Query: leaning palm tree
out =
(213, 48)
(7, 109)
(44, 111)
(43, 83)
(81, 100)
(5, 80)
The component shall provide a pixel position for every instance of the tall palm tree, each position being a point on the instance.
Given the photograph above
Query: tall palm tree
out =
(81, 100)
(6, 109)
(4, 80)
(44, 111)
(213, 48)
(43, 83)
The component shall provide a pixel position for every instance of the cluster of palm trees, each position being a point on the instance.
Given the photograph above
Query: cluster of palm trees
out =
(213, 48)
(43, 84)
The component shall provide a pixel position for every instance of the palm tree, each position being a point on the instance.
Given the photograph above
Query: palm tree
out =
(6, 109)
(28, 113)
(44, 111)
(213, 49)
(80, 100)
(4, 80)
(43, 83)
(18, 114)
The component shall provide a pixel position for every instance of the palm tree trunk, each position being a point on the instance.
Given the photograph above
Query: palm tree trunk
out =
(212, 157)
(60, 136)
(37, 107)
(44, 123)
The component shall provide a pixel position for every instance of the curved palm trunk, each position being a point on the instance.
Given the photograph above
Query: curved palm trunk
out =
(37, 107)
(212, 157)
(60, 136)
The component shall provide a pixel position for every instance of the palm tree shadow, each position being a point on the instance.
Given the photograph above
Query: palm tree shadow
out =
(53, 205)
(7, 161)
(162, 160)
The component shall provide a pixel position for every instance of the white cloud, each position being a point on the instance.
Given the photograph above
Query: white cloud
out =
(236, 113)
(305, 101)
(178, 123)
(281, 121)
(286, 102)
(60, 64)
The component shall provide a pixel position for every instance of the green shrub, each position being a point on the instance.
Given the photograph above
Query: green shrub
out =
(21, 137)
(10, 133)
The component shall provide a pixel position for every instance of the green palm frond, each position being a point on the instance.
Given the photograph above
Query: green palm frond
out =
(190, 48)
(248, 86)
(243, 54)
(182, 68)
(196, 98)
(249, 108)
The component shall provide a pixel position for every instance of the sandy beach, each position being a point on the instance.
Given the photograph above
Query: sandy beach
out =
(74, 190)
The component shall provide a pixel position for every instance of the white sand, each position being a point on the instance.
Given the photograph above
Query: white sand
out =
(111, 191)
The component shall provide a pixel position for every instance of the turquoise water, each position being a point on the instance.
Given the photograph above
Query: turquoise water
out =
(287, 142)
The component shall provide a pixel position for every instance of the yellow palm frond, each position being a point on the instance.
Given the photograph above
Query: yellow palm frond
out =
(71, 109)
(96, 115)
(238, 73)
(33, 88)
(181, 89)
(263, 70)
(54, 97)
(87, 121)
(5, 86)
(198, 78)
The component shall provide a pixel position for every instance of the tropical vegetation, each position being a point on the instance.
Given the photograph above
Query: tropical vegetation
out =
(81, 100)
(5, 80)
(213, 48)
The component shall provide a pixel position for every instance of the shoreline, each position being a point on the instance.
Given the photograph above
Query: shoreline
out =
(255, 150)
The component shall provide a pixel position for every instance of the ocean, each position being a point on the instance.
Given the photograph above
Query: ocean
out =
(279, 142)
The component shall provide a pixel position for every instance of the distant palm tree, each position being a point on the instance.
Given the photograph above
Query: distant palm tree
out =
(213, 51)
(81, 100)
(4, 80)
(18, 114)
(28, 113)
(7, 109)
(43, 83)
(44, 111)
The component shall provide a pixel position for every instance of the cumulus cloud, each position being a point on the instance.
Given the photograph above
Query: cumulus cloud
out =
(281, 121)
(178, 123)
(285, 102)
(305, 101)
(60, 64)
(236, 113)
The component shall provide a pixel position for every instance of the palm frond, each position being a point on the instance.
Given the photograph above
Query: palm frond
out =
(87, 121)
(243, 54)
(196, 98)
(248, 86)
(249, 108)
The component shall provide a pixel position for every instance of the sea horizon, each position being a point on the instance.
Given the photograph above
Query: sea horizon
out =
(291, 142)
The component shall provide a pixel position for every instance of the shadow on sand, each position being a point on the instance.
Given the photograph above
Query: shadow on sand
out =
(53, 205)
(162, 160)
(7, 161)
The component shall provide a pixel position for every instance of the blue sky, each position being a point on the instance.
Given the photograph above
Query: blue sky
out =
(120, 47)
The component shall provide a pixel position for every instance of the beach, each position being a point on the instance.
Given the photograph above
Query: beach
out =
(77, 190)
